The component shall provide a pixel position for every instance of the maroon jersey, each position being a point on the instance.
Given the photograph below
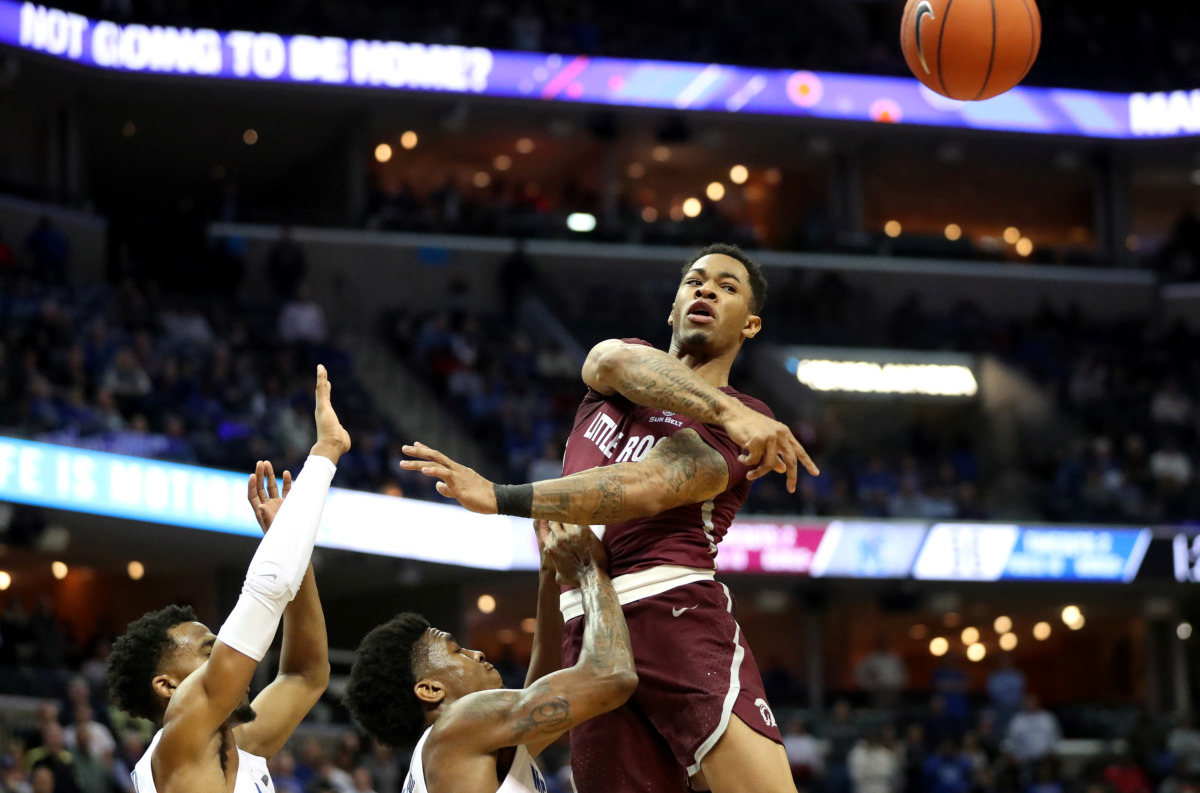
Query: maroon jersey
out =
(611, 429)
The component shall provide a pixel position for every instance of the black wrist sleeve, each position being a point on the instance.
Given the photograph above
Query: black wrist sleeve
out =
(515, 500)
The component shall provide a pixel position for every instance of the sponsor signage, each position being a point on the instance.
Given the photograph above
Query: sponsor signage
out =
(757, 547)
(860, 549)
(367, 63)
(994, 552)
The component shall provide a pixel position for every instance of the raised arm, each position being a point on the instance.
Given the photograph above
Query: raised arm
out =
(548, 629)
(207, 698)
(603, 679)
(304, 658)
(683, 469)
(658, 379)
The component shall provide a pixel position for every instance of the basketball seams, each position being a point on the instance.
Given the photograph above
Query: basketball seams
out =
(1033, 39)
(992, 57)
(941, 41)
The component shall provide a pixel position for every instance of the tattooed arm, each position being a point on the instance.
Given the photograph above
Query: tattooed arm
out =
(683, 469)
(658, 379)
(604, 678)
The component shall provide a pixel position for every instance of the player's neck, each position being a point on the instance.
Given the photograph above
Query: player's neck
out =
(713, 370)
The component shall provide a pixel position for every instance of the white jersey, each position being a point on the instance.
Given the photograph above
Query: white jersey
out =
(523, 777)
(252, 774)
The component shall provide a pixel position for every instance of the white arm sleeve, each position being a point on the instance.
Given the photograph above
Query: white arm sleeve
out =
(279, 564)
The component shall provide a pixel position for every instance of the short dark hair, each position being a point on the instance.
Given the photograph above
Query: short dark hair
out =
(380, 694)
(137, 657)
(758, 281)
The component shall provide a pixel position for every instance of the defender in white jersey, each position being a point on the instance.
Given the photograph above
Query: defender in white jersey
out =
(171, 669)
(412, 682)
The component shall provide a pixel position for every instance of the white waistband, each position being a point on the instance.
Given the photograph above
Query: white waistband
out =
(635, 586)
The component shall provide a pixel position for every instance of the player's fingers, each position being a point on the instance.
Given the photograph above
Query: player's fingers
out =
(252, 491)
(287, 483)
(272, 485)
(444, 489)
(804, 458)
(752, 454)
(437, 472)
(426, 453)
(322, 384)
(788, 456)
(766, 462)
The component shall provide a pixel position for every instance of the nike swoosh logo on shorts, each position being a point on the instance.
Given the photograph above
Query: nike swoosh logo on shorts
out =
(677, 612)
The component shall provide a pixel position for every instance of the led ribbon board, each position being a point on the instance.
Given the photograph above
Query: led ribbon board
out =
(328, 60)
(992, 552)
(98, 483)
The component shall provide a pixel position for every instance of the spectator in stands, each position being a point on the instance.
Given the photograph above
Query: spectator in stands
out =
(548, 466)
(947, 771)
(1033, 733)
(842, 735)
(381, 762)
(13, 778)
(882, 674)
(1184, 744)
(126, 380)
(302, 320)
(43, 780)
(803, 753)
(283, 772)
(49, 252)
(362, 781)
(1046, 779)
(54, 756)
(873, 767)
(951, 684)
(913, 754)
(85, 729)
(1006, 690)
(286, 266)
(1171, 406)
(1125, 776)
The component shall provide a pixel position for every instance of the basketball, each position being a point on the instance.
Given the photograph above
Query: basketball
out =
(970, 49)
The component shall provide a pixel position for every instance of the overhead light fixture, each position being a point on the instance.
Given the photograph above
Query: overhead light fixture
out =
(868, 377)
(581, 222)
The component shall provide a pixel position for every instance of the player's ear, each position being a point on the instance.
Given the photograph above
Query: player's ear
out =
(429, 691)
(164, 685)
(752, 327)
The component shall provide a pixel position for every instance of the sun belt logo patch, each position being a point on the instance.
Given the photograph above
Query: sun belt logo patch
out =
(765, 711)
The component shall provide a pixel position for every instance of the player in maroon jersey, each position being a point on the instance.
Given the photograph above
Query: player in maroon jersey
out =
(659, 461)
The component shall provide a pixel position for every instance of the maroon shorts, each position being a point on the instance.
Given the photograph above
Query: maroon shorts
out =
(694, 670)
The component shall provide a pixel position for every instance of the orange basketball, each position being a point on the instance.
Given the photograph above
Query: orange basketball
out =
(970, 49)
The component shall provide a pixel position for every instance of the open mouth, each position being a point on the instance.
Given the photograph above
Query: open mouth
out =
(701, 313)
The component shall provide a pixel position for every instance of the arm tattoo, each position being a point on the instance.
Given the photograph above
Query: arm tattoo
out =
(595, 496)
(548, 717)
(683, 468)
(659, 380)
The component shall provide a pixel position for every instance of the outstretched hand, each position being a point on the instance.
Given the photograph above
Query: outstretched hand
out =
(457, 481)
(332, 440)
(769, 446)
(264, 496)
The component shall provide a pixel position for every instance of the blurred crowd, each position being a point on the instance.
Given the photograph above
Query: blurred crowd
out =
(223, 380)
(1106, 47)
(142, 369)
